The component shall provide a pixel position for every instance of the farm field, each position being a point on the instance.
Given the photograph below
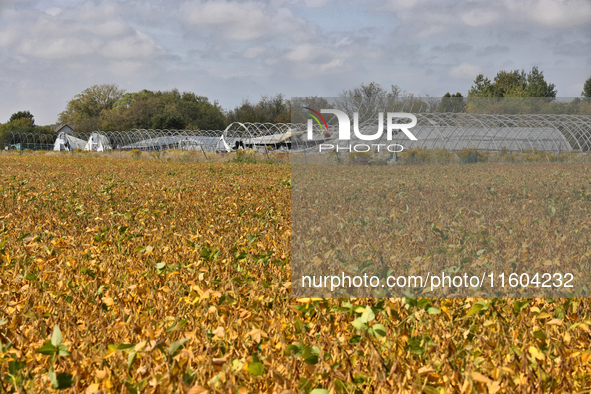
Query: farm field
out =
(523, 227)
(175, 277)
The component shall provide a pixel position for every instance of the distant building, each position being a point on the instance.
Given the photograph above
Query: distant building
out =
(63, 128)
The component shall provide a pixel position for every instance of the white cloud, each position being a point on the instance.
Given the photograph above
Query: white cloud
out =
(464, 71)
(254, 52)
(136, 46)
(110, 28)
(333, 64)
(242, 21)
(304, 52)
(237, 21)
(53, 11)
(405, 4)
(93, 11)
(553, 13)
(59, 48)
(344, 42)
(316, 3)
(126, 68)
(439, 16)
(8, 36)
(476, 18)
(89, 29)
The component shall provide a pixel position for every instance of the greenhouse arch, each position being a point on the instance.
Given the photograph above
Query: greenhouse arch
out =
(450, 131)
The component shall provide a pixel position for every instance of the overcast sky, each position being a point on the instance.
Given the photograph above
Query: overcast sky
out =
(230, 50)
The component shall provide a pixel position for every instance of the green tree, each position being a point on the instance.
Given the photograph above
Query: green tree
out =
(23, 125)
(529, 93)
(133, 110)
(276, 108)
(482, 87)
(164, 110)
(199, 112)
(19, 125)
(21, 115)
(88, 108)
(269, 109)
(587, 88)
(170, 120)
(452, 103)
(245, 112)
(536, 85)
(371, 99)
(513, 84)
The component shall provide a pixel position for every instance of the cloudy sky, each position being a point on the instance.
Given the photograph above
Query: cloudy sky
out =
(231, 50)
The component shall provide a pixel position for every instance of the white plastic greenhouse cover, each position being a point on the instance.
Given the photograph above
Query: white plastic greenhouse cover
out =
(273, 138)
(184, 142)
(67, 142)
(98, 143)
(222, 145)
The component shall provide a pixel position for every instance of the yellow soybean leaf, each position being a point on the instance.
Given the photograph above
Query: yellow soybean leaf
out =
(554, 322)
(536, 353)
(478, 377)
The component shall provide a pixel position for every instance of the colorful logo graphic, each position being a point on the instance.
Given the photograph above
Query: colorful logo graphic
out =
(316, 115)
(344, 133)
(345, 124)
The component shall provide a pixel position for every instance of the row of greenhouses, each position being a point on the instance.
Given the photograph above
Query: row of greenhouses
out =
(451, 131)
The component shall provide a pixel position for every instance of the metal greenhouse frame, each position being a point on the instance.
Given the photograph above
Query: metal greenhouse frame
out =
(236, 135)
(32, 141)
(485, 132)
(451, 131)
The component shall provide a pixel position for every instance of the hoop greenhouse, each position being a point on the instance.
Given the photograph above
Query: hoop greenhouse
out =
(451, 131)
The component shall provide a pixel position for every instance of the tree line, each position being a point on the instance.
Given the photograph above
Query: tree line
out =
(21, 122)
(108, 107)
